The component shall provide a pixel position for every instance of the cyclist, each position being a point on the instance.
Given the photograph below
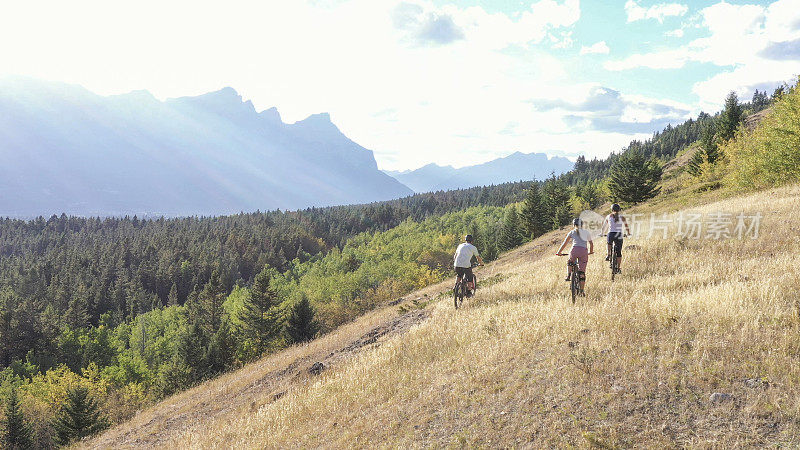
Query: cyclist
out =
(614, 223)
(462, 261)
(582, 247)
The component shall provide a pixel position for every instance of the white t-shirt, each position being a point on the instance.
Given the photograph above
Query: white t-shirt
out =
(464, 254)
(614, 225)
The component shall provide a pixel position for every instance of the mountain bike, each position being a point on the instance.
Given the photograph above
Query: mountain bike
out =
(574, 278)
(461, 289)
(614, 263)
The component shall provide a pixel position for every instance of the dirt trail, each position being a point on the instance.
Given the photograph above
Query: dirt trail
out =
(268, 379)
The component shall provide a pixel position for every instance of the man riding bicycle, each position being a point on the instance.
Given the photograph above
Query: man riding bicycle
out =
(462, 261)
(614, 223)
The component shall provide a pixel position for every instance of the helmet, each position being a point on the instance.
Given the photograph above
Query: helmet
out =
(577, 222)
(615, 207)
(468, 238)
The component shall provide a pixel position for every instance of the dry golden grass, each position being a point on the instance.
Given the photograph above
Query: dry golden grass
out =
(633, 364)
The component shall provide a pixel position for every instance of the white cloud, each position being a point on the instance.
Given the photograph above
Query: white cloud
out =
(738, 38)
(675, 33)
(659, 12)
(666, 59)
(596, 48)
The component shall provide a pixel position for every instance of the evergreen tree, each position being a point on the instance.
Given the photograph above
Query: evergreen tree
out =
(708, 143)
(302, 326)
(221, 349)
(78, 417)
(16, 433)
(260, 315)
(511, 233)
(730, 118)
(172, 298)
(634, 178)
(708, 150)
(534, 215)
(760, 100)
(210, 301)
(695, 164)
(555, 196)
(190, 352)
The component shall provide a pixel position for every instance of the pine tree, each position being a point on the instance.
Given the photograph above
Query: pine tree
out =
(76, 315)
(707, 152)
(78, 417)
(730, 118)
(221, 349)
(16, 433)
(555, 196)
(301, 325)
(211, 299)
(190, 351)
(172, 298)
(708, 142)
(634, 178)
(260, 316)
(695, 164)
(533, 215)
(510, 234)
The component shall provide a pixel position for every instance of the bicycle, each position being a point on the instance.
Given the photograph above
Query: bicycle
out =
(614, 263)
(461, 289)
(574, 278)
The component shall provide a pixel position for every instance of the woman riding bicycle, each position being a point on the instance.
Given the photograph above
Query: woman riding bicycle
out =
(580, 239)
(615, 222)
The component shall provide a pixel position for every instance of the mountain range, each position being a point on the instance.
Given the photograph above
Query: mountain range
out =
(66, 149)
(514, 167)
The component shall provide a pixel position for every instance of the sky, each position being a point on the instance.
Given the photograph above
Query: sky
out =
(420, 81)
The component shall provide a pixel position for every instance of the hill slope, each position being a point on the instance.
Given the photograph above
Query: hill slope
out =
(514, 167)
(65, 149)
(635, 363)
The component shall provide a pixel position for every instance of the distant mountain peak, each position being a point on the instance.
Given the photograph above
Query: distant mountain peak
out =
(225, 100)
(514, 167)
(318, 122)
(322, 117)
(272, 115)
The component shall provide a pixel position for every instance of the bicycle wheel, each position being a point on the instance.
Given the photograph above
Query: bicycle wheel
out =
(576, 283)
(456, 292)
(614, 260)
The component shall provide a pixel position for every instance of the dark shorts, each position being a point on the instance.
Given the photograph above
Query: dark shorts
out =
(462, 271)
(616, 237)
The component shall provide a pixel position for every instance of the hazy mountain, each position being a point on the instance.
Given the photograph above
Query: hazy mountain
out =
(422, 179)
(515, 167)
(65, 149)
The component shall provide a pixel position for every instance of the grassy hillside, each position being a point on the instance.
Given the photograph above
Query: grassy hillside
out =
(635, 363)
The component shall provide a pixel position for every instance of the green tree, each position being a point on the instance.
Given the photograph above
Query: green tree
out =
(221, 349)
(634, 178)
(301, 325)
(534, 215)
(555, 195)
(210, 301)
(260, 314)
(695, 164)
(708, 150)
(17, 432)
(730, 118)
(78, 417)
(511, 233)
(172, 297)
